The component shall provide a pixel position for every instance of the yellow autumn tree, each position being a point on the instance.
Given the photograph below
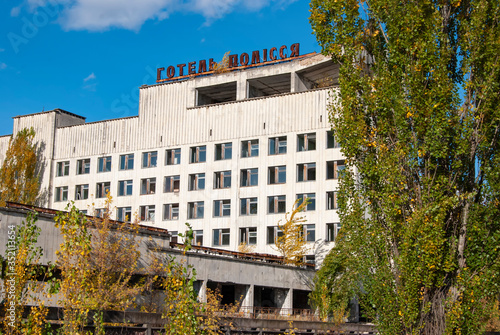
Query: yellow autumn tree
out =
(223, 65)
(21, 283)
(291, 243)
(19, 180)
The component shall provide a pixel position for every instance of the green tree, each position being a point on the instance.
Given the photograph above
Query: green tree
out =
(19, 181)
(417, 115)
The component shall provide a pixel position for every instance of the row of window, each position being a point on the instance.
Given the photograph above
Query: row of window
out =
(196, 181)
(197, 154)
(248, 235)
(222, 208)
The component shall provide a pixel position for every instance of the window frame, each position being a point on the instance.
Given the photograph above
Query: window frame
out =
(196, 181)
(172, 182)
(222, 208)
(171, 156)
(102, 189)
(306, 172)
(247, 234)
(273, 231)
(274, 174)
(62, 169)
(83, 166)
(84, 191)
(278, 144)
(331, 200)
(221, 234)
(126, 186)
(308, 142)
(149, 159)
(147, 213)
(220, 178)
(104, 164)
(276, 200)
(198, 154)
(171, 211)
(126, 162)
(61, 194)
(248, 176)
(312, 204)
(123, 212)
(223, 151)
(148, 186)
(250, 148)
(246, 210)
(194, 210)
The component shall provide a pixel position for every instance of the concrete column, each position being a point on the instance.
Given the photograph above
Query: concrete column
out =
(241, 88)
(248, 300)
(202, 292)
(284, 300)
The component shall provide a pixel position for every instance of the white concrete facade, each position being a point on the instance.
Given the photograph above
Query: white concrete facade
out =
(171, 117)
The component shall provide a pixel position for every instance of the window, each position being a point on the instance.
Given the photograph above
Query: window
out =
(171, 184)
(331, 200)
(198, 237)
(127, 162)
(309, 232)
(222, 208)
(276, 175)
(250, 148)
(149, 159)
(276, 204)
(171, 212)
(223, 151)
(62, 169)
(83, 166)
(196, 210)
(148, 186)
(334, 169)
(172, 156)
(124, 187)
(83, 211)
(331, 141)
(306, 172)
(277, 145)
(102, 189)
(222, 179)
(273, 233)
(198, 154)
(124, 214)
(248, 235)
(99, 212)
(61, 193)
(221, 237)
(306, 142)
(104, 164)
(312, 200)
(310, 259)
(147, 213)
(249, 177)
(332, 231)
(82, 192)
(196, 181)
(248, 206)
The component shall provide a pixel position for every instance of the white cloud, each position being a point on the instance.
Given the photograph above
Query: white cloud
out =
(99, 15)
(14, 12)
(3, 66)
(89, 77)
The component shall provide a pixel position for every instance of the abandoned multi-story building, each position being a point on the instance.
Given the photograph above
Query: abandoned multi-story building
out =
(228, 151)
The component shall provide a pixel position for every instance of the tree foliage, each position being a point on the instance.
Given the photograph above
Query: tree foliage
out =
(19, 181)
(291, 243)
(417, 115)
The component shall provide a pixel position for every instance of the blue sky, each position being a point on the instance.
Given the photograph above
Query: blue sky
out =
(90, 56)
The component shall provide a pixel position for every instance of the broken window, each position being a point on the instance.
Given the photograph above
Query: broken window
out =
(249, 177)
(148, 186)
(248, 235)
(334, 169)
(83, 166)
(331, 141)
(331, 200)
(222, 179)
(276, 204)
(306, 142)
(124, 214)
(82, 192)
(223, 151)
(250, 148)
(332, 231)
(147, 213)
(273, 233)
(102, 189)
(171, 184)
(62, 169)
(173, 156)
(198, 237)
(306, 172)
